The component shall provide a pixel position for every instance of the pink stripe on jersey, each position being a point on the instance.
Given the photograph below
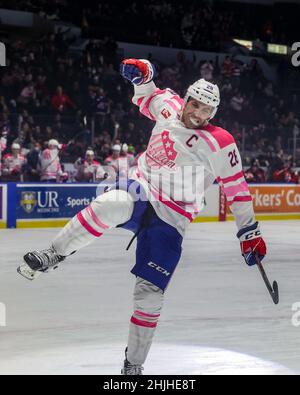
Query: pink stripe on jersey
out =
(95, 218)
(173, 206)
(145, 108)
(172, 105)
(222, 137)
(137, 312)
(145, 324)
(207, 140)
(168, 203)
(139, 101)
(178, 99)
(145, 111)
(235, 177)
(185, 204)
(84, 223)
(234, 190)
(158, 92)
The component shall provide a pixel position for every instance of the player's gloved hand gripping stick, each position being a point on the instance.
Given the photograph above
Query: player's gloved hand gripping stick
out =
(254, 250)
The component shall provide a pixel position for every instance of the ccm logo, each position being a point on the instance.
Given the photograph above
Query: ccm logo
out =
(159, 269)
(252, 235)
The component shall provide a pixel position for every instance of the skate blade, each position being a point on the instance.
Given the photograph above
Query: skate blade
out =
(27, 272)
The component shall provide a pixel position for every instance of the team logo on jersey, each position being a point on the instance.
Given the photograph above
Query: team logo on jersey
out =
(161, 151)
(168, 145)
(28, 201)
(166, 113)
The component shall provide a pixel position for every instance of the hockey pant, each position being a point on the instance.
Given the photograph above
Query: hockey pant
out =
(105, 212)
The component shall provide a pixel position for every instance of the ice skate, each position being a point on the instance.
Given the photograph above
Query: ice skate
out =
(130, 369)
(38, 262)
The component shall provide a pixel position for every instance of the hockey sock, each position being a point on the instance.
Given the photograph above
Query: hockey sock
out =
(148, 300)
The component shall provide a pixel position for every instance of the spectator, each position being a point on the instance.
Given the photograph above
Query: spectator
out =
(28, 94)
(227, 67)
(226, 88)
(236, 73)
(102, 107)
(255, 174)
(285, 174)
(207, 70)
(236, 104)
(61, 102)
(33, 158)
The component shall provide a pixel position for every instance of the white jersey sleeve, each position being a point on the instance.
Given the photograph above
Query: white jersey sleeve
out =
(229, 174)
(155, 103)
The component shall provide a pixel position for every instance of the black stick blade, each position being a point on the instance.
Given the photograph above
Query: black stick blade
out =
(275, 294)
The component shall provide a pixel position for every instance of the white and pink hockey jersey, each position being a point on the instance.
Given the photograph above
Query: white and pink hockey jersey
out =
(2, 148)
(177, 153)
(121, 165)
(12, 165)
(89, 172)
(49, 166)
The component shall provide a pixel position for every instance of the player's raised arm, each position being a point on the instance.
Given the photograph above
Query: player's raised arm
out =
(231, 179)
(153, 102)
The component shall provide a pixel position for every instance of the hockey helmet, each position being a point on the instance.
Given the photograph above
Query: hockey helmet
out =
(205, 92)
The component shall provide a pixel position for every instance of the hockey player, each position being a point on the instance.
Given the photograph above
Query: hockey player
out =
(3, 142)
(13, 164)
(127, 156)
(118, 162)
(49, 164)
(182, 135)
(113, 159)
(89, 170)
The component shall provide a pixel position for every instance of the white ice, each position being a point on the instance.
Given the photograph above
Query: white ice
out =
(218, 317)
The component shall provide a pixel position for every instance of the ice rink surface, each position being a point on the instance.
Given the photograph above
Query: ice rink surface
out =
(218, 317)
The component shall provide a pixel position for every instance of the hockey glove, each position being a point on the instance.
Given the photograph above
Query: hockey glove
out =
(252, 243)
(137, 71)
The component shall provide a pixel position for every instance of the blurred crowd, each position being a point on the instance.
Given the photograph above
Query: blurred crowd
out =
(205, 24)
(65, 117)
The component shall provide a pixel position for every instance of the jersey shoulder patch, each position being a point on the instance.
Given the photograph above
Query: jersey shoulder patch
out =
(222, 136)
(165, 113)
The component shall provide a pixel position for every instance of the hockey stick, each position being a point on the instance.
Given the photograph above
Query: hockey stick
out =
(274, 291)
